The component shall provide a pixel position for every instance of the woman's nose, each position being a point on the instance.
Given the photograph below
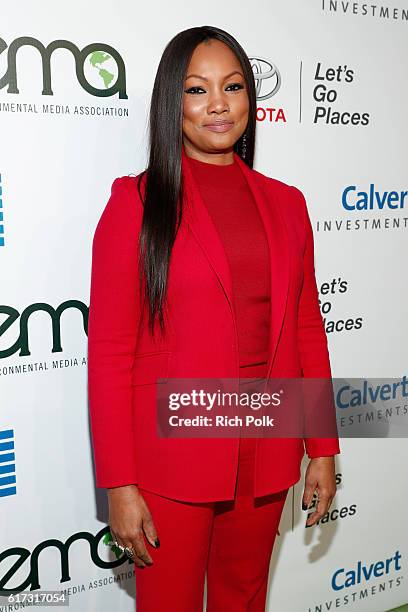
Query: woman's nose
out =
(218, 102)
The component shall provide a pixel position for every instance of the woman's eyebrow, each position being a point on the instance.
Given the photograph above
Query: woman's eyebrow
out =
(197, 76)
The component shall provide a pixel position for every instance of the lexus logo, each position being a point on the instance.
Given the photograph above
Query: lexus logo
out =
(267, 77)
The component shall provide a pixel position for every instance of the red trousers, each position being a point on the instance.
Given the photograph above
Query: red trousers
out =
(230, 541)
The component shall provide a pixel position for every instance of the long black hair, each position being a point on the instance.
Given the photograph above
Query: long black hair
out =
(163, 196)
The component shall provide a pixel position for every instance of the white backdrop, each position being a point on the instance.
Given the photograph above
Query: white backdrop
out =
(56, 168)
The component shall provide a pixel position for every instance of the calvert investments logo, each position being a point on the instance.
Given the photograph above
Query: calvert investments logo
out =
(365, 9)
(369, 207)
(7, 463)
(364, 572)
(363, 580)
(372, 408)
(371, 198)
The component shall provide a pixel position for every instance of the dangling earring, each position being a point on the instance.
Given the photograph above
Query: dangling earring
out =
(244, 145)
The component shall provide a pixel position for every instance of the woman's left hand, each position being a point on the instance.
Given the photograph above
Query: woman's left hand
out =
(320, 476)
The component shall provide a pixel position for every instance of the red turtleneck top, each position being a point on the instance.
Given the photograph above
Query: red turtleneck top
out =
(230, 203)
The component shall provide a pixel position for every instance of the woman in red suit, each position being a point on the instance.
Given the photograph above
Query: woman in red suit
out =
(202, 267)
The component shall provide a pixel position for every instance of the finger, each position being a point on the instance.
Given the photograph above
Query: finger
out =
(313, 518)
(135, 558)
(140, 549)
(139, 562)
(150, 531)
(121, 542)
(321, 509)
(116, 540)
(310, 487)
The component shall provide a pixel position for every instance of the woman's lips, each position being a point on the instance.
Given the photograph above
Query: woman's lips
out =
(219, 127)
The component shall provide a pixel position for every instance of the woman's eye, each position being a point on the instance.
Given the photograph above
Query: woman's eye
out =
(236, 86)
(193, 90)
(197, 89)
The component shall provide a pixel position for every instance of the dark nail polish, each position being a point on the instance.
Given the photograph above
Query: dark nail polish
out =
(157, 543)
(304, 506)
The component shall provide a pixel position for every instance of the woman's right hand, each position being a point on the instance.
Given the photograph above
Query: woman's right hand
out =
(129, 518)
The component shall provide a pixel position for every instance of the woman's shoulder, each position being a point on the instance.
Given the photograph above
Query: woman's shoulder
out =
(129, 183)
(124, 204)
(129, 189)
(288, 195)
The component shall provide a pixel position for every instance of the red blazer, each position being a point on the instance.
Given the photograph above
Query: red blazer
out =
(124, 361)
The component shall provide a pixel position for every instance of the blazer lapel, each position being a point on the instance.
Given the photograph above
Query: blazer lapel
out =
(206, 234)
(203, 229)
(279, 253)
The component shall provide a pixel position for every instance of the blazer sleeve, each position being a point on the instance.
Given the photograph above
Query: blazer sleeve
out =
(312, 339)
(114, 313)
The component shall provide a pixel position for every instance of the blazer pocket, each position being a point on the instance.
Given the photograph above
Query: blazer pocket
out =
(148, 367)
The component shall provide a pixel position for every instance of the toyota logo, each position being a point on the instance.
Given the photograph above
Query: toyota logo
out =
(267, 77)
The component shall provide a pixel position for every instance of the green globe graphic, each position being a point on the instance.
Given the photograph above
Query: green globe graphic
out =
(103, 69)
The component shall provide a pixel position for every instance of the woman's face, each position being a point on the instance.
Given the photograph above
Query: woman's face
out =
(215, 103)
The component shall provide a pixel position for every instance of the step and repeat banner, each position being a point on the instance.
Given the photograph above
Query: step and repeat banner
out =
(75, 85)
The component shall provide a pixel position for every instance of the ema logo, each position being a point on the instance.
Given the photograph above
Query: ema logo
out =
(7, 465)
(25, 570)
(1, 216)
(355, 199)
(22, 322)
(99, 68)
(343, 578)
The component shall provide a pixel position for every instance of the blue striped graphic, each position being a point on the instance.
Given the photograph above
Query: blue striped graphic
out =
(1, 216)
(7, 465)
(6, 446)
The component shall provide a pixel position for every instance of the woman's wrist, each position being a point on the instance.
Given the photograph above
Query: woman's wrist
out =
(122, 490)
